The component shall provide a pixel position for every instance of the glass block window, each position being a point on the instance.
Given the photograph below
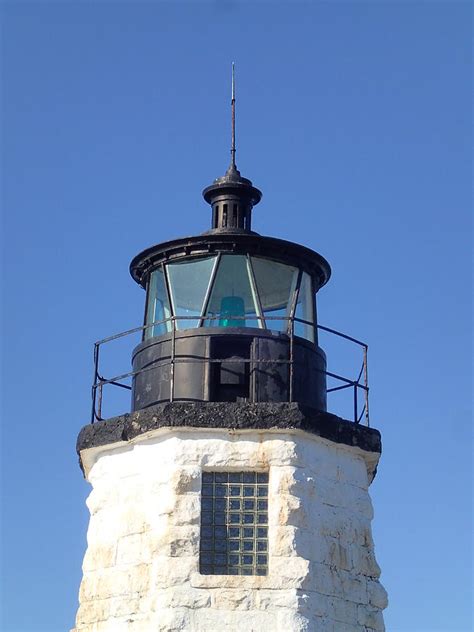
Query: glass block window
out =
(234, 523)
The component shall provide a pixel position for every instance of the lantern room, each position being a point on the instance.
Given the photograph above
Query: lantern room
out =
(230, 315)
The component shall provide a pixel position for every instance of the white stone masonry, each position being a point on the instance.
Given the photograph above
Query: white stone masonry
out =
(141, 567)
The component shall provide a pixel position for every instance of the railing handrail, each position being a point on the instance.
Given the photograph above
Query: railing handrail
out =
(100, 382)
(254, 317)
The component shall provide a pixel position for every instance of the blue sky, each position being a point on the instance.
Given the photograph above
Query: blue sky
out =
(354, 118)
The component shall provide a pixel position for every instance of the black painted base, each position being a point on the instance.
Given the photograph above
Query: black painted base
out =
(231, 416)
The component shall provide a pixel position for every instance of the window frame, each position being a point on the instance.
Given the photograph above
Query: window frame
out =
(214, 546)
(256, 296)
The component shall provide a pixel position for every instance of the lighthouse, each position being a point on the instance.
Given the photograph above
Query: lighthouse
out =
(229, 498)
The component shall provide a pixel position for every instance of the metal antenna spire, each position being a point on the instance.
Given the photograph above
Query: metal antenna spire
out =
(232, 150)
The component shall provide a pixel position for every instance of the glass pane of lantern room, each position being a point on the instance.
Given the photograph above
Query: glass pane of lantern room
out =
(188, 281)
(305, 309)
(158, 307)
(232, 302)
(276, 283)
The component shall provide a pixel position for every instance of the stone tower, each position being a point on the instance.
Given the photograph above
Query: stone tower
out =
(229, 499)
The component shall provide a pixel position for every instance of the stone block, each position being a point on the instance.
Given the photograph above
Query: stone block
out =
(282, 480)
(131, 520)
(323, 579)
(102, 496)
(354, 587)
(210, 620)
(103, 609)
(289, 572)
(320, 459)
(270, 599)
(187, 509)
(364, 562)
(330, 492)
(323, 624)
(174, 540)
(283, 541)
(338, 555)
(236, 452)
(340, 523)
(114, 582)
(284, 451)
(352, 470)
(311, 604)
(172, 571)
(371, 618)
(339, 626)
(171, 620)
(186, 479)
(162, 504)
(360, 502)
(287, 509)
(104, 527)
(292, 480)
(377, 594)
(291, 621)
(232, 599)
(183, 596)
(132, 490)
(134, 549)
(334, 582)
(184, 541)
(116, 463)
(99, 556)
(341, 610)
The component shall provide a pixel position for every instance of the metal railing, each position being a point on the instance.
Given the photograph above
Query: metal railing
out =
(359, 383)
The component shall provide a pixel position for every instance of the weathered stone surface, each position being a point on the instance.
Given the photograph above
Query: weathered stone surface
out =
(377, 594)
(103, 609)
(371, 618)
(112, 582)
(133, 549)
(181, 596)
(233, 599)
(99, 556)
(141, 568)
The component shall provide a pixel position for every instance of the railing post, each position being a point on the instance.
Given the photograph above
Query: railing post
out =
(173, 343)
(292, 331)
(99, 405)
(94, 385)
(356, 415)
(366, 384)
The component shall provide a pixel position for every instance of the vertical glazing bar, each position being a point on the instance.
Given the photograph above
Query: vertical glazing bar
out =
(146, 332)
(291, 330)
(366, 384)
(292, 305)
(209, 290)
(255, 295)
(173, 343)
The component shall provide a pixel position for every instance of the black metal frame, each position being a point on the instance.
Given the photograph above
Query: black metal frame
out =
(233, 243)
(100, 381)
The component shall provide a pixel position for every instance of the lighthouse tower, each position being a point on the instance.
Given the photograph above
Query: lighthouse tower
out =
(229, 498)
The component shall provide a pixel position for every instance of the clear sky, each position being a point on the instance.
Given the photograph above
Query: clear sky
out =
(354, 118)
